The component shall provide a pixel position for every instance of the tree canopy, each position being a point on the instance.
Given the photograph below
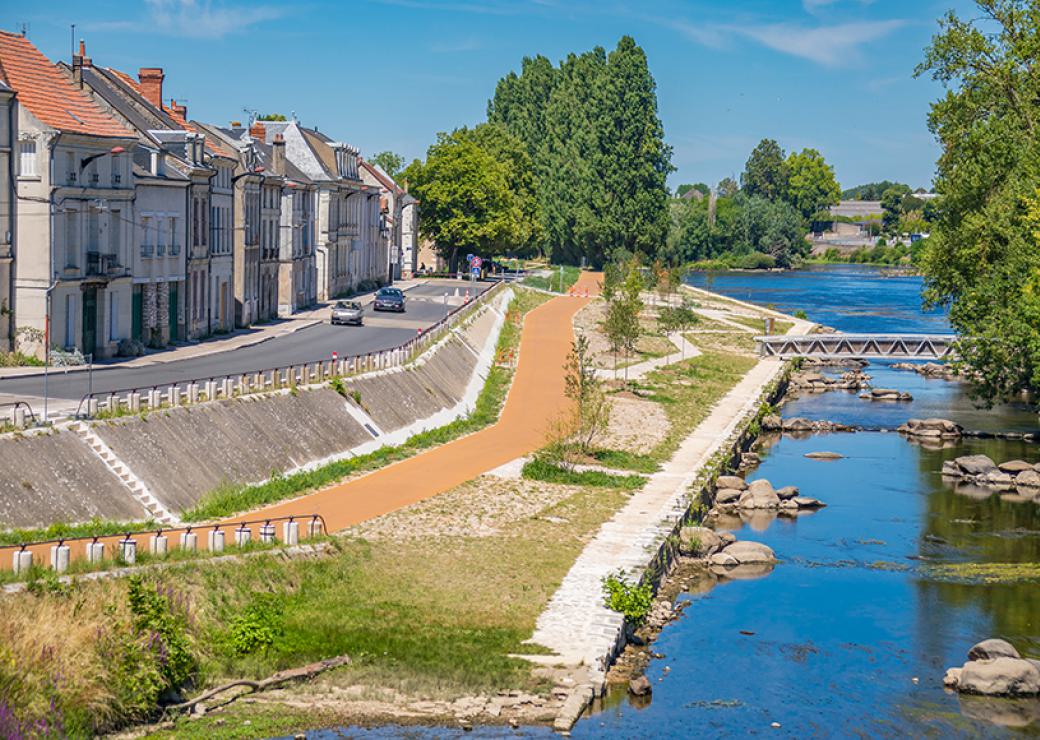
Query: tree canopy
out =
(389, 162)
(982, 260)
(870, 190)
(477, 193)
(591, 128)
(765, 173)
(810, 186)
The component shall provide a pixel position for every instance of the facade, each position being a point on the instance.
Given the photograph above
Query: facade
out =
(399, 225)
(297, 273)
(8, 153)
(75, 203)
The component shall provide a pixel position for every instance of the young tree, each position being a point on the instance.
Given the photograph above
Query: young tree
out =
(765, 173)
(677, 319)
(390, 162)
(727, 187)
(592, 406)
(811, 186)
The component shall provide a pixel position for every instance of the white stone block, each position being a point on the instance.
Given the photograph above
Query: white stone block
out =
(242, 536)
(216, 540)
(291, 533)
(60, 555)
(22, 561)
(158, 545)
(189, 541)
(267, 534)
(128, 551)
(95, 552)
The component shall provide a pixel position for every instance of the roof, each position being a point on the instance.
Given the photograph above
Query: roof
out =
(377, 172)
(48, 94)
(170, 118)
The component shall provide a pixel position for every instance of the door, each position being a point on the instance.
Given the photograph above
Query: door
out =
(89, 321)
(137, 314)
(173, 311)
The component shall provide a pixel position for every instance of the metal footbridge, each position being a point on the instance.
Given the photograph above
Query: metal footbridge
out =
(860, 346)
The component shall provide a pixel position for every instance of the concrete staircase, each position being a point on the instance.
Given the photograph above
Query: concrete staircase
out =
(126, 476)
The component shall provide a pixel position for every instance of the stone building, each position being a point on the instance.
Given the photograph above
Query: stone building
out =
(399, 224)
(8, 164)
(184, 156)
(75, 208)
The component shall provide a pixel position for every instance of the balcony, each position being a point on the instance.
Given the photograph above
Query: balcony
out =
(105, 265)
(147, 250)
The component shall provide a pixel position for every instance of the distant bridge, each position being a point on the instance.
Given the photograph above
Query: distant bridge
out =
(865, 346)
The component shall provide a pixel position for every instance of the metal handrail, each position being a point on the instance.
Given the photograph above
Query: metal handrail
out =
(16, 404)
(187, 528)
(407, 346)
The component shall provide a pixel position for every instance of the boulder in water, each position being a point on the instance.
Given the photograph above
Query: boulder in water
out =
(731, 481)
(759, 495)
(975, 464)
(992, 648)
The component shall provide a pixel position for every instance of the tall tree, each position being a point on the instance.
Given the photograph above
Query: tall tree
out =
(764, 172)
(390, 162)
(811, 186)
(476, 193)
(982, 259)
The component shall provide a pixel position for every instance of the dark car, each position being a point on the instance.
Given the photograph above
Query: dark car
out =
(389, 299)
(347, 312)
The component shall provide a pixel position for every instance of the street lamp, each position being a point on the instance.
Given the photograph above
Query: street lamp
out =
(87, 160)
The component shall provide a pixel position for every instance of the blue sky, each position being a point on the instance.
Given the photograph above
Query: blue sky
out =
(388, 74)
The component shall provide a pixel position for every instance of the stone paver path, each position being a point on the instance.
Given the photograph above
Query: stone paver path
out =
(576, 625)
(639, 370)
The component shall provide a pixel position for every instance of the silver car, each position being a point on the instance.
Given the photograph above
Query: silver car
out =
(347, 312)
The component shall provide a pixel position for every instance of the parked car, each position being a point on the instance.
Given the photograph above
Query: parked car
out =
(389, 299)
(347, 312)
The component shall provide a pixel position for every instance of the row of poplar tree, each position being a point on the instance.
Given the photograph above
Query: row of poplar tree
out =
(571, 164)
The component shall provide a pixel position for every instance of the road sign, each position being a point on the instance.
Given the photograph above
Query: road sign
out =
(475, 271)
(476, 262)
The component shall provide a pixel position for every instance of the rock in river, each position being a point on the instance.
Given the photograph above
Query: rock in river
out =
(699, 542)
(731, 481)
(823, 456)
(787, 492)
(1028, 479)
(975, 464)
(1000, 677)
(759, 495)
(640, 686)
(744, 552)
(1013, 467)
(992, 648)
(804, 502)
(727, 495)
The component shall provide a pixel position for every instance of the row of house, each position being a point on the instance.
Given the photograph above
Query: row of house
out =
(121, 218)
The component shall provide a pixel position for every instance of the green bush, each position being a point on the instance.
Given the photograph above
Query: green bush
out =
(257, 627)
(631, 599)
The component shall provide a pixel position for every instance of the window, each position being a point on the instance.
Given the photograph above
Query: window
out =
(113, 316)
(146, 236)
(93, 229)
(70, 167)
(71, 237)
(160, 237)
(115, 233)
(174, 246)
(70, 320)
(27, 158)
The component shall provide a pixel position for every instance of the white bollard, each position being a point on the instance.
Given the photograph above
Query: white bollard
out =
(173, 396)
(211, 390)
(242, 536)
(22, 561)
(128, 551)
(189, 541)
(95, 552)
(267, 533)
(291, 533)
(227, 388)
(193, 392)
(19, 417)
(92, 406)
(60, 555)
(216, 540)
(155, 399)
(158, 545)
(315, 529)
(112, 403)
(134, 402)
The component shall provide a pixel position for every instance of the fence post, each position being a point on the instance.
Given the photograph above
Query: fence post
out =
(173, 396)
(291, 532)
(95, 551)
(216, 540)
(189, 541)
(243, 535)
(92, 406)
(60, 557)
(158, 544)
(22, 561)
(128, 550)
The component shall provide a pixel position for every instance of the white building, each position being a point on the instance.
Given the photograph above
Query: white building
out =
(75, 209)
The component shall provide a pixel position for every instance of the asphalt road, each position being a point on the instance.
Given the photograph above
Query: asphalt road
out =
(424, 307)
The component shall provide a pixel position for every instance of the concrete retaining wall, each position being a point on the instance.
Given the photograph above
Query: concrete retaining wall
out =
(46, 478)
(183, 453)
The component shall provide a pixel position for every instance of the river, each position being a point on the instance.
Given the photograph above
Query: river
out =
(853, 630)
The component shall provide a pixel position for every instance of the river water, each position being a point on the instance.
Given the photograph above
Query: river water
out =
(852, 631)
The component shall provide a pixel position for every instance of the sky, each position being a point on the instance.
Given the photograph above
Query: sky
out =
(834, 75)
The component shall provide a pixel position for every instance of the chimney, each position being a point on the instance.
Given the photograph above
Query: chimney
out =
(79, 61)
(180, 110)
(151, 79)
(236, 124)
(278, 155)
(257, 130)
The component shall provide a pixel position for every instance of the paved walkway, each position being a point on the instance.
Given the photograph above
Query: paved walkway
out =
(639, 370)
(576, 625)
(535, 400)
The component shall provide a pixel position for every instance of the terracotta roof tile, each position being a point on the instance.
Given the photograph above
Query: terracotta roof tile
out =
(48, 94)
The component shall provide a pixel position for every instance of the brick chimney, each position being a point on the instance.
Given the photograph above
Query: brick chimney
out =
(151, 79)
(278, 155)
(180, 110)
(79, 61)
(257, 130)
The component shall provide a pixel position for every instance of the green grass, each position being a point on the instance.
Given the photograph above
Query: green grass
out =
(759, 324)
(623, 460)
(230, 499)
(19, 359)
(570, 277)
(546, 472)
(93, 528)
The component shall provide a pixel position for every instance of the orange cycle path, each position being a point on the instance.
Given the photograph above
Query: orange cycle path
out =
(534, 401)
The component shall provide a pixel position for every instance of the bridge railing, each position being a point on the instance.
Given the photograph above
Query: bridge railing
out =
(187, 391)
(877, 346)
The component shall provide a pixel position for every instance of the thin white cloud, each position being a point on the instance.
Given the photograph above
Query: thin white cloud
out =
(198, 19)
(833, 45)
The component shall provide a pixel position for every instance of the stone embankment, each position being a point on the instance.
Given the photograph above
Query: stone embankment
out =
(995, 668)
(180, 454)
(733, 494)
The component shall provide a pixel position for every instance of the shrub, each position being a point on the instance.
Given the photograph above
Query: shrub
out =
(257, 628)
(130, 348)
(631, 599)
